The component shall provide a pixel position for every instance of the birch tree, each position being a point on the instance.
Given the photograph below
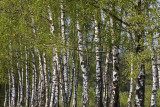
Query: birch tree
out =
(98, 102)
(85, 93)
(140, 84)
(155, 79)
(131, 84)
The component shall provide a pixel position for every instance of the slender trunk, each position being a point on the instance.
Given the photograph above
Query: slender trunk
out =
(9, 90)
(33, 79)
(22, 86)
(72, 79)
(54, 100)
(115, 84)
(13, 95)
(27, 78)
(155, 80)
(35, 89)
(140, 84)
(5, 99)
(54, 79)
(59, 80)
(18, 103)
(66, 78)
(98, 99)
(46, 80)
(76, 73)
(41, 82)
(131, 87)
(106, 81)
(85, 92)
(114, 98)
(20, 82)
(158, 61)
(13, 90)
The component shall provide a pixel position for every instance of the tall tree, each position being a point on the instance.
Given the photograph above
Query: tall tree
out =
(85, 93)
(99, 84)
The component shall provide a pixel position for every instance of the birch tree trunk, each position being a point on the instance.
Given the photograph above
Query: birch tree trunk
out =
(9, 90)
(106, 81)
(27, 78)
(54, 100)
(42, 84)
(20, 81)
(13, 90)
(85, 92)
(114, 102)
(13, 97)
(66, 77)
(158, 61)
(72, 79)
(33, 95)
(5, 99)
(98, 99)
(22, 85)
(18, 104)
(54, 81)
(76, 73)
(140, 84)
(114, 98)
(46, 80)
(155, 80)
(131, 86)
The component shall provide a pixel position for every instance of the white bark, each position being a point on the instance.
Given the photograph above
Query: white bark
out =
(46, 80)
(72, 79)
(9, 90)
(155, 80)
(13, 90)
(33, 95)
(106, 81)
(54, 100)
(85, 92)
(27, 78)
(98, 100)
(114, 100)
(66, 72)
(74, 104)
(42, 88)
(13, 97)
(22, 85)
(18, 103)
(131, 87)
(20, 81)
(158, 61)
(5, 99)
(115, 84)
(54, 79)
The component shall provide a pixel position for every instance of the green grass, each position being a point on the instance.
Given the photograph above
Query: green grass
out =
(123, 97)
(148, 92)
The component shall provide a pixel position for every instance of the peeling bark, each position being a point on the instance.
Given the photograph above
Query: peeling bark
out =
(46, 80)
(41, 81)
(72, 79)
(99, 84)
(114, 102)
(76, 73)
(85, 92)
(155, 79)
(106, 82)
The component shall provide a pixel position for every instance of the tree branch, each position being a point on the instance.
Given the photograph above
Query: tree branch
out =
(111, 14)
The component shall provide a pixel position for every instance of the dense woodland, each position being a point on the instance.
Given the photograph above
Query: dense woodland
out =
(73, 53)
